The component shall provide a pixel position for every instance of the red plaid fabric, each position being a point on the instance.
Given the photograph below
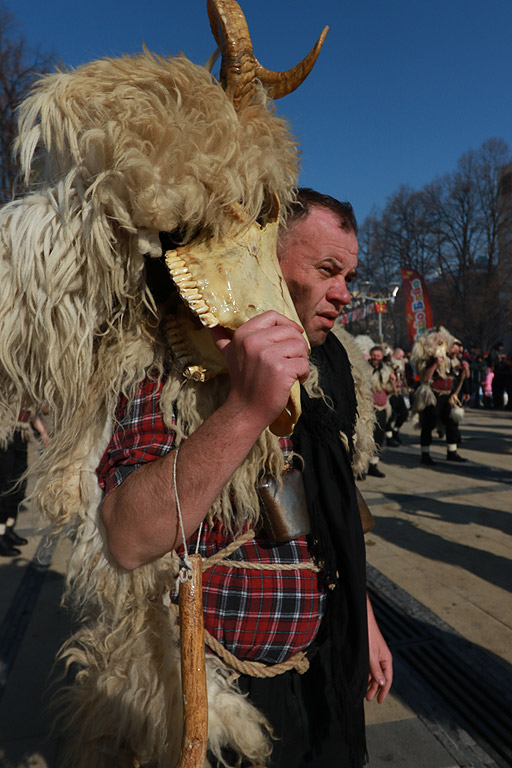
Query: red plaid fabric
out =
(262, 616)
(442, 385)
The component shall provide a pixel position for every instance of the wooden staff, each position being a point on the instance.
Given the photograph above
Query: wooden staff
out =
(367, 519)
(454, 397)
(193, 671)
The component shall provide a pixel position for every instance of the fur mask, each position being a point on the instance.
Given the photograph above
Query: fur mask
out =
(113, 153)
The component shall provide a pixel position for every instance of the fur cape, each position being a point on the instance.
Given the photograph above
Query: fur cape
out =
(364, 444)
(429, 345)
(113, 153)
(365, 343)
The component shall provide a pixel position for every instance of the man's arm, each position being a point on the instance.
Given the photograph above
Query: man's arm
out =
(381, 662)
(264, 358)
(430, 369)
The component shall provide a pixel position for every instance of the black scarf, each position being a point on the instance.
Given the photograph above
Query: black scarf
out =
(337, 538)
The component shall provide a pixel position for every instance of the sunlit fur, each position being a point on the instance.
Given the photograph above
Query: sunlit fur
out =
(112, 153)
(427, 347)
(364, 444)
(431, 345)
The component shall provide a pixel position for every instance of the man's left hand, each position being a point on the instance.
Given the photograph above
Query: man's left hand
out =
(381, 661)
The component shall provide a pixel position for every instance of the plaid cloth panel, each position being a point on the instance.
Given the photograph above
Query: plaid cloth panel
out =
(257, 615)
(442, 385)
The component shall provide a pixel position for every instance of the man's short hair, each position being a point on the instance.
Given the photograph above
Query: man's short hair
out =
(376, 348)
(308, 198)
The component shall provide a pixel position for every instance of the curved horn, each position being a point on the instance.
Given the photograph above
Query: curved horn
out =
(280, 84)
(239, 66)
(230, 30)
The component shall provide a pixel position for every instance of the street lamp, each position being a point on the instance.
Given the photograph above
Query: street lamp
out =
(364, 286)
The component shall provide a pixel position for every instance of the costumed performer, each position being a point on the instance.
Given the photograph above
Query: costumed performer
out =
(269, 617)
(435, 358)
(136, 156)
(397, 400)
(383, 385)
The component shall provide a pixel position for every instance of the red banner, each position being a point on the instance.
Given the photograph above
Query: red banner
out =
(418, 312)
(380, 307)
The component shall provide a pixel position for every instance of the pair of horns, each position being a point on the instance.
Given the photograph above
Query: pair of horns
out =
(240, 67)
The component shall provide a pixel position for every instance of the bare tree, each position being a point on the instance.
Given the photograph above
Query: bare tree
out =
(457, 232)
(471, 224)
(19, 65)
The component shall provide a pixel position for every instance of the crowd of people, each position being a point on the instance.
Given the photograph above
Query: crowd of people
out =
(490, 377)
(433, 383)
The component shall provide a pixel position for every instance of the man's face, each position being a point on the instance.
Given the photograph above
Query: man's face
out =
(318, 259)
(376, 357)
(453, 351)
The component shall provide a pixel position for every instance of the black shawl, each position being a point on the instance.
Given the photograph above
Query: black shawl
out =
(337, 537)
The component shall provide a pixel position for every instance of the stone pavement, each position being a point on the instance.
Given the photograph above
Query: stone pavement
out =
(439, 574)
(441, 548)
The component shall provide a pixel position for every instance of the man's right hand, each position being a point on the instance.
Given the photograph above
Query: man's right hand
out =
(265, 357)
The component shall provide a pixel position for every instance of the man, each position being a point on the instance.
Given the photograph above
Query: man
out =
(435, 355)
(477, 372)
(499, 382)
(318, 257)
(397, 399)
(134, 157)
(383, 385)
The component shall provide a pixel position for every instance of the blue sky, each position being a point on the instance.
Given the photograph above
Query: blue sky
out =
(401, 89)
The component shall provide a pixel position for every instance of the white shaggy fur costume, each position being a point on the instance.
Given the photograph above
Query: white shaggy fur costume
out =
(429, 346)
(112, 153)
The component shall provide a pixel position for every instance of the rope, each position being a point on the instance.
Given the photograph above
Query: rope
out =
(186, 568)
(309, 566)
(219, 558)
(298, 661)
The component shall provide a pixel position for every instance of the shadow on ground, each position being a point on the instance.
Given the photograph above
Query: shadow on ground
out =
(456, 687)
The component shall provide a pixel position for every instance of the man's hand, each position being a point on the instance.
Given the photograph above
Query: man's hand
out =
(265, 357)
(431, 368)
(454, 401)
(381, 662)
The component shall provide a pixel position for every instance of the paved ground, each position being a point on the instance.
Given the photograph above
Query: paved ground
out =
(440, 577)
(443, 536)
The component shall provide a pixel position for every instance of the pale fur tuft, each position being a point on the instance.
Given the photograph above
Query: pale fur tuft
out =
(429, 345)
(457, 414)
(365, 343)
(364, 444)
(232, 720)
(423, 397)
(112, 153)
